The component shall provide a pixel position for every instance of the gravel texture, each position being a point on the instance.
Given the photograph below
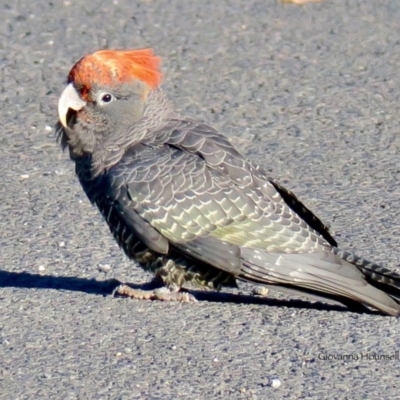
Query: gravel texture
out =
(310, 92)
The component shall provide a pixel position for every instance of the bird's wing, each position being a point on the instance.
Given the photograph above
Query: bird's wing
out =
(216, 215)
(166, 192)
(219, 154)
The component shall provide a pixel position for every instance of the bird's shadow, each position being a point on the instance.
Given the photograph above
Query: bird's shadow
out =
(107, 287)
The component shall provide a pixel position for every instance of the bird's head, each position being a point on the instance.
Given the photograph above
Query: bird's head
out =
(107, 93)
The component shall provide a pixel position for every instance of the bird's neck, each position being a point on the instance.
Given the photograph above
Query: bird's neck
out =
(157, 112)
(157, 107)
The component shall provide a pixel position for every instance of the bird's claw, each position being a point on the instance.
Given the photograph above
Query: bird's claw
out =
(162, 294)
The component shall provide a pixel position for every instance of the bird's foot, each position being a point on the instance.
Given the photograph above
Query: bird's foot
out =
(164, 293)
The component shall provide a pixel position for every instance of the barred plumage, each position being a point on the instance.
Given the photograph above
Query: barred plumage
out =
(184, 203)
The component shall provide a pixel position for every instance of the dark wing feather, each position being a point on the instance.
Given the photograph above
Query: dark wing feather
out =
(194, 191)
(300, 209)
(170, 197)
(184, 199)
(222, 255)
(321, 272)
(115, 198)
(218, 152)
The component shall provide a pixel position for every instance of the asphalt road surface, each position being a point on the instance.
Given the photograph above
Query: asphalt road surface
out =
(310, 92)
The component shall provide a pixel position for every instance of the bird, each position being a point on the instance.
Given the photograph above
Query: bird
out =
(185, 205)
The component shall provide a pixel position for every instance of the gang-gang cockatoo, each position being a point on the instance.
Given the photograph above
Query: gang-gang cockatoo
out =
(186, 205)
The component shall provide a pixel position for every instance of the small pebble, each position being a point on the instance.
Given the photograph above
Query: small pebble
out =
(276, 383)
(260, 291)
(104, 267)
(41, 268)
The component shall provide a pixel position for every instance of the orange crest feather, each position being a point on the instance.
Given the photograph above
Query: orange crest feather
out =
(107, 67)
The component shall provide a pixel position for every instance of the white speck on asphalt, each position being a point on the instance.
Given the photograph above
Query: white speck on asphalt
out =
(276, 383)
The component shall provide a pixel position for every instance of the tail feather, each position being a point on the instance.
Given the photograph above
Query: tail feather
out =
(328, 275)
(378, 276)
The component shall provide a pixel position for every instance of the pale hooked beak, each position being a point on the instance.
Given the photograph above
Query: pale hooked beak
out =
(69, 99)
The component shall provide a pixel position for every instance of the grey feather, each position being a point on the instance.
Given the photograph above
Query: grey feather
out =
(180, 189)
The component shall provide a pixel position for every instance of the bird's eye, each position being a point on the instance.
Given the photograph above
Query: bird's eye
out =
(106, 98)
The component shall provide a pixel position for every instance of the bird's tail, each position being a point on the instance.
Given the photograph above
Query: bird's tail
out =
(334, 276)
(380, 277)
